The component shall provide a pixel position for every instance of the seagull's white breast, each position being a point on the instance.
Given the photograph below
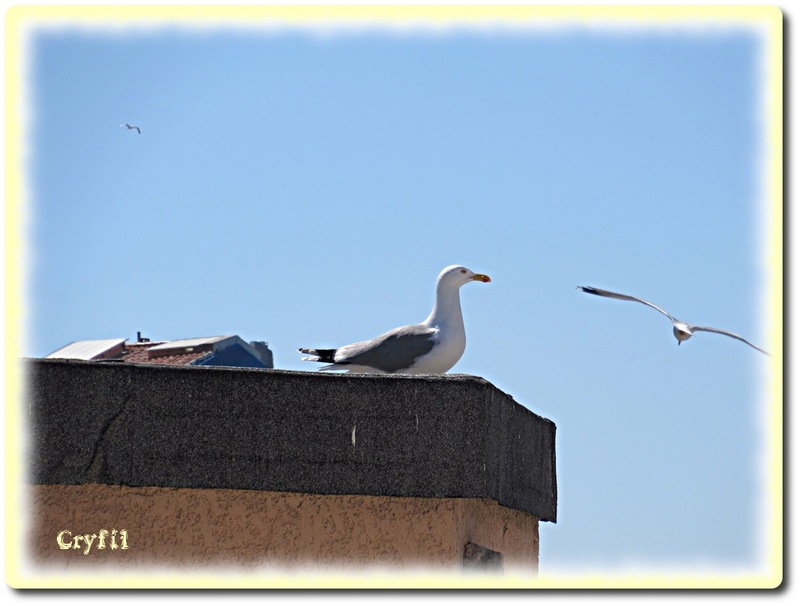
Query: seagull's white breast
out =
(450, 345)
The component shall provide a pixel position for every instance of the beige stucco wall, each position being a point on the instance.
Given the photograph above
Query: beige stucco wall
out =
(184, 527)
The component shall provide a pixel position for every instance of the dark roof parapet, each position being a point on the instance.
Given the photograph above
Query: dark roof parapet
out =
(205, 427)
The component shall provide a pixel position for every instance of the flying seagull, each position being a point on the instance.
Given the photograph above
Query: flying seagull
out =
(681, 330)
(132, 127)
(432, 347)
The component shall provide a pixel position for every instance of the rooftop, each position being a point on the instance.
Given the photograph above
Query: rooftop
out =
(141, 353)
(90, 350)
(225, 350)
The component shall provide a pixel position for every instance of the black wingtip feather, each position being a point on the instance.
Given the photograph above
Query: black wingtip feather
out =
(323, 355)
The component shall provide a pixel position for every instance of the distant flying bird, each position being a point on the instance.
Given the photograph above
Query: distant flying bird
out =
(432, 347)
(132, 127)
(681, 330)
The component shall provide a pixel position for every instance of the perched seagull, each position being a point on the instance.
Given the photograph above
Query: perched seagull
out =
(681, 330)
(132, 127)
(432, 347)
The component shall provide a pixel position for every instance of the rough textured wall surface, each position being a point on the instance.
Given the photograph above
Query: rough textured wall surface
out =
(194, 427)
(236, 529)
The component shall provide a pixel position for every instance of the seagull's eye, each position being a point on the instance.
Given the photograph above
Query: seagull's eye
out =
(463, 271)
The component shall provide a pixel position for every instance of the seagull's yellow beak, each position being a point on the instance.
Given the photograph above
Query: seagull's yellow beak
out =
(481, 278)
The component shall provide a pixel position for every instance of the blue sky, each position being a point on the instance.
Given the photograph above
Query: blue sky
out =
(306, 190)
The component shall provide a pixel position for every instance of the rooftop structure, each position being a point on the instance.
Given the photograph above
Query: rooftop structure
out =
(225, 350)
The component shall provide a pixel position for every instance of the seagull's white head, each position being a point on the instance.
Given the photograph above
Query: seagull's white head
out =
(682, 331)
(458, 275)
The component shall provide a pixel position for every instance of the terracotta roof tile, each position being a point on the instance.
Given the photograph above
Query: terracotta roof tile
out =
(137, 353)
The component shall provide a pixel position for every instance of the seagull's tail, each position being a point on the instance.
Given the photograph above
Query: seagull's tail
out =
(318, 355)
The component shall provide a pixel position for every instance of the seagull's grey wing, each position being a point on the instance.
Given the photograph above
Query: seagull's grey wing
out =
(615, 295)
(391, 351)
(728, 333)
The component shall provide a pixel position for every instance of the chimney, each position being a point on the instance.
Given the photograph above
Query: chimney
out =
(264, 352)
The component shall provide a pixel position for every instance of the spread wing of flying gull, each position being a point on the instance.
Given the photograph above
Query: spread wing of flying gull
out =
(682, 330)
